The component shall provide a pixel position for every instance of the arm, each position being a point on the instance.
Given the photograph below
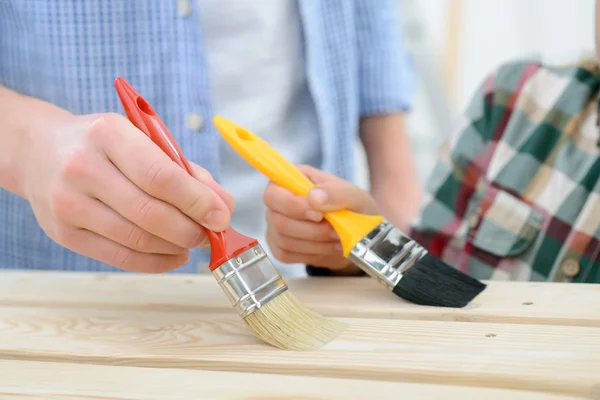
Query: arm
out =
(16, 124)
(386, 92)
(393, 178)
(99, 187)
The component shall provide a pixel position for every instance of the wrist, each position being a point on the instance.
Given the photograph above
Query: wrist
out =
(24, 120)
(397, 205)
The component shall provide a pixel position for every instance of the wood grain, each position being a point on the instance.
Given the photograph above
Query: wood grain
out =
(26, 380)
(506, 302)
(524, 357)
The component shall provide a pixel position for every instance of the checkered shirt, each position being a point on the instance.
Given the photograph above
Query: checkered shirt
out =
(515, 194)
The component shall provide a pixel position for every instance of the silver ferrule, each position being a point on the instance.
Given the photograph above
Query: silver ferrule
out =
(386, 253)
(249, 280)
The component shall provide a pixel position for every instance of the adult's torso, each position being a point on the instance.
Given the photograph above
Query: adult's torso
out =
(69, 52)
(255, 57)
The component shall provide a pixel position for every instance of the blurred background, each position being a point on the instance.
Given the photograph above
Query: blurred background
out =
(455, 43)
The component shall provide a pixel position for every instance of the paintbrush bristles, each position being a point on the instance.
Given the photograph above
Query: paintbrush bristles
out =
(432, 282)
(286, 323)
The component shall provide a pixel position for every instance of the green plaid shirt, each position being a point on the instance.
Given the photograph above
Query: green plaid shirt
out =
(516, 192)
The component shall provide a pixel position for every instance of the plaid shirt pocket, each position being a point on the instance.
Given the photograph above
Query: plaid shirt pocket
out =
(503, 225)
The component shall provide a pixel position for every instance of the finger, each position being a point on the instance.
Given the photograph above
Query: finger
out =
(309, 247)
(93, 215)
(102, 180)
(205, 177)
(147, 166)
(334, 193)
(297, 229)
(99, 248)
(286, 203)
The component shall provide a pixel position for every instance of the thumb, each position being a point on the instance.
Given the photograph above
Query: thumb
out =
(332, 193)
(205, 177)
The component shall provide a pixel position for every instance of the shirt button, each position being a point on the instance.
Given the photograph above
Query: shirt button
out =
(194, 121)
(184, 8)
(570, 267)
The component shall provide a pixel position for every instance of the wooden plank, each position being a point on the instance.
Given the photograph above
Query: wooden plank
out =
(67, 381)
(523, 357)
(506, 302)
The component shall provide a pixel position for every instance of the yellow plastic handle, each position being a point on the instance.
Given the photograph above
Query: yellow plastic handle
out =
(351, 227)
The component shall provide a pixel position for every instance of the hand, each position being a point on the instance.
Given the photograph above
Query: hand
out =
(100, 187)
(296, 230)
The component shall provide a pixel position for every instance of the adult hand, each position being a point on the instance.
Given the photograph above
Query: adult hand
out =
(296, 230)
(100, 187)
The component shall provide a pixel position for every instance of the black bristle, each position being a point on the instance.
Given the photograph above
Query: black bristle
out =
(432, 282)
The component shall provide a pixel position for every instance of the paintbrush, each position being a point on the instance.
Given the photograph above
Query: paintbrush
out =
(239, 263)
(369, 241)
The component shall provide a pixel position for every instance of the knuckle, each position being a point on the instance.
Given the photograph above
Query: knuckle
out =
(105, 127)
(198, 238)
(279, 254)
(280, 241)
(158, 176)
(325, 232)
(287, 257)
(64, 235)
(62, 203)
(202, 174)
(285, 243)
(111, 121)
(199, 206)
(76, 165)
(279, 222)
(121, 258)
(148, 209)
(138, 239)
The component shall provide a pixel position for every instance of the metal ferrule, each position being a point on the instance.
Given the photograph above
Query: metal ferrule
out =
(249, 280)
(386, 253)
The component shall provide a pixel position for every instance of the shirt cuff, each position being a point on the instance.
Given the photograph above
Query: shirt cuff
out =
(312, 270)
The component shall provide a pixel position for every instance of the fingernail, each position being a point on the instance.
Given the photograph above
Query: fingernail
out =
(319, 196)
(215, 219)
(314, 215)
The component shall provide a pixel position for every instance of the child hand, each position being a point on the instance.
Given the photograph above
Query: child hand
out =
(296, 230)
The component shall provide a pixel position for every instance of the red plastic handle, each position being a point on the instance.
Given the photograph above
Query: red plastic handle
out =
(223, 245)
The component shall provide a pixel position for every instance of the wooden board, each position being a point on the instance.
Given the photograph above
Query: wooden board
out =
(26, 380)
(506, 302)
(558, 359)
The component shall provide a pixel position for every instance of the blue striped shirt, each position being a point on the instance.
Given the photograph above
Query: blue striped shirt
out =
(68, 52)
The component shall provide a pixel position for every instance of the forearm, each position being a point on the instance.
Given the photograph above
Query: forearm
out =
(393, 179)
(21, 116)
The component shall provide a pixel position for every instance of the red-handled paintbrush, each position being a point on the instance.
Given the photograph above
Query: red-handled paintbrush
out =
(238, 262)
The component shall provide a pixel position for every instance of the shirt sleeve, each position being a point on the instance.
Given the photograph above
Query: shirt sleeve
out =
(386, 71)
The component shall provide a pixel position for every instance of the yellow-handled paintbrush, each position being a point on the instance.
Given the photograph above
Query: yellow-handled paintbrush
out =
(369, 241)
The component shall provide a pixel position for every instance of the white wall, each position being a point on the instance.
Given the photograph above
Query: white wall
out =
(498, 30)
(492, 31)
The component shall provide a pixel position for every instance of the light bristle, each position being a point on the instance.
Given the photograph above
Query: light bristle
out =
(286, 323)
